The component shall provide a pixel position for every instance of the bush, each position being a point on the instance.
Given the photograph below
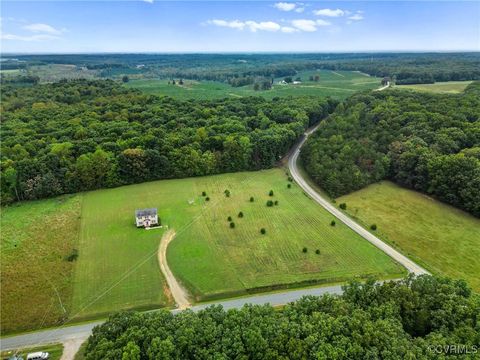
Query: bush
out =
(304, 250)
(343, 206)
(317, 252)
(269, 203)
(73, 255)
(263, 231)
(207, 199)
(227, 193)
(332, 223)
(252, 199)
(232, 224)
(276, 202)
(270, 193)
(204, 193)
(373, 226)
(289, 186)
(290, 179)
(229, 218)
(240, 214)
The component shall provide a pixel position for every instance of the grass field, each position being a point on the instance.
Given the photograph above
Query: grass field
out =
(117, 265)
(452, 87)
(340, 84)
(443, 239)
(55, 351)
(36, 278)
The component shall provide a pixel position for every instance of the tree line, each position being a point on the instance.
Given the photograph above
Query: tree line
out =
(426, 142)
(416, 318)
(81, 135)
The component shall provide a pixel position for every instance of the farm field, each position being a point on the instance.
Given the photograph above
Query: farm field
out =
(36, 279)
(117, 264)
(452, 87)
(337, 84)
(443, 239)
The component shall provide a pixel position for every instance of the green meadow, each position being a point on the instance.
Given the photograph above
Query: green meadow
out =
(117, 266)
(337, 84)
(452, 87)
(440, 237)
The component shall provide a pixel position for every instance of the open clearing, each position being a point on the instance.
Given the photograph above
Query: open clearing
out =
(340, 85)
(443, 239)
(117, 267)
(452, 87)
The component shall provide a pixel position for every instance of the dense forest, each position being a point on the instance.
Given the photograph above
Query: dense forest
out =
(237, 69)
(81, 135)
(421, 318)
(427, 142)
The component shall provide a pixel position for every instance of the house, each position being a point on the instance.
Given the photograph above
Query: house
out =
(146, 217)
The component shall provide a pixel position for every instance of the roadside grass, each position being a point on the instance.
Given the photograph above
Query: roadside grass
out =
(55, 351)
(340, 85)
(452, 87)
(443, 239)
(37, 236)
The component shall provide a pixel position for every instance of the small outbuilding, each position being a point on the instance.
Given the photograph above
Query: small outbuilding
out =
(146, 217)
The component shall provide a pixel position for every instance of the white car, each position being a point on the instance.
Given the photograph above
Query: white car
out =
(38, 356)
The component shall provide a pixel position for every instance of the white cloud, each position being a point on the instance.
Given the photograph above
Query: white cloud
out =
(148, 1)
(284, 6)
(305, 25)
(39, 37)
(300, 10)
(321, 22)
(288, 29)
(43, 28)
(253, 26)
(357, 17)
(329, 12)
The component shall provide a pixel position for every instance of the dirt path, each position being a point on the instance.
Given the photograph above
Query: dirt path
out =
(70, 347)
(179, 294)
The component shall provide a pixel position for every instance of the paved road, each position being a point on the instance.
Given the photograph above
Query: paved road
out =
(69, 333)
(292, 165)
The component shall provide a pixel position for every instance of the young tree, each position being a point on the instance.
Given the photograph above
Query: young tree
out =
(373, 227)
(332, 223)
(229, 218)
(304, 250)
(232, 225)
(240, 214)
(343, 206)
(125, 79)
(263, 231)
(252, 199)
(270, 193)
(269, 203)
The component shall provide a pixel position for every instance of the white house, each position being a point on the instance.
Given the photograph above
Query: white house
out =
(146, 217)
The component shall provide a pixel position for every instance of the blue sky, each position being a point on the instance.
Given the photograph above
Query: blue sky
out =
(231, 26)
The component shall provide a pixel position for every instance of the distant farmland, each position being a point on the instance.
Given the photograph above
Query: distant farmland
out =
(443, 239)
(117, 264)
(453, 87)
(337, 84)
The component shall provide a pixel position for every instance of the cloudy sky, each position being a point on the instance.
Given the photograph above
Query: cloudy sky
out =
(231, 26)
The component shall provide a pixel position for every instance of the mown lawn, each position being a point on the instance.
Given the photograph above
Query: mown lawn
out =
(443, 239)
(452, 87)
(36, 238)
(337, 84)
(54, 350)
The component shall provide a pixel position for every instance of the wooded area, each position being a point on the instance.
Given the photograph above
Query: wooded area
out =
(426, 142)
(81, 135)
(395, 320)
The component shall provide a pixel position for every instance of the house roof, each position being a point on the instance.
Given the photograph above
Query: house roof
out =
(145, 212)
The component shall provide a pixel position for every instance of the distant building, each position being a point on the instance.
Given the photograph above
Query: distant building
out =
(296, 82)
(146, 217)
(386, 80)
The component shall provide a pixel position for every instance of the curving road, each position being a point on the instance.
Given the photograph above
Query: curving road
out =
(70, 333)
(292, 165)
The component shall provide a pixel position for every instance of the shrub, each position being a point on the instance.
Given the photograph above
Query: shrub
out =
(229, 218)
(276, 202)
(73, 255)
(263, 231)
(373, 226)
(207, 199)
(290, 179)
(204, 193)
(332, 223)
(270, 193)
(232, 224)
(343, 206)
(304, 250)
(317, 252)
(252, 199)
(289, 186)
(227, 193)
(240, 214)
(269, 203)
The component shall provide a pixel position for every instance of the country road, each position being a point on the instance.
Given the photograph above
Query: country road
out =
(82, 331)
(293, 167)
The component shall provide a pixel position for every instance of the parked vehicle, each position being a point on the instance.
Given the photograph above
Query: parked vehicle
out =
(39, 355)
